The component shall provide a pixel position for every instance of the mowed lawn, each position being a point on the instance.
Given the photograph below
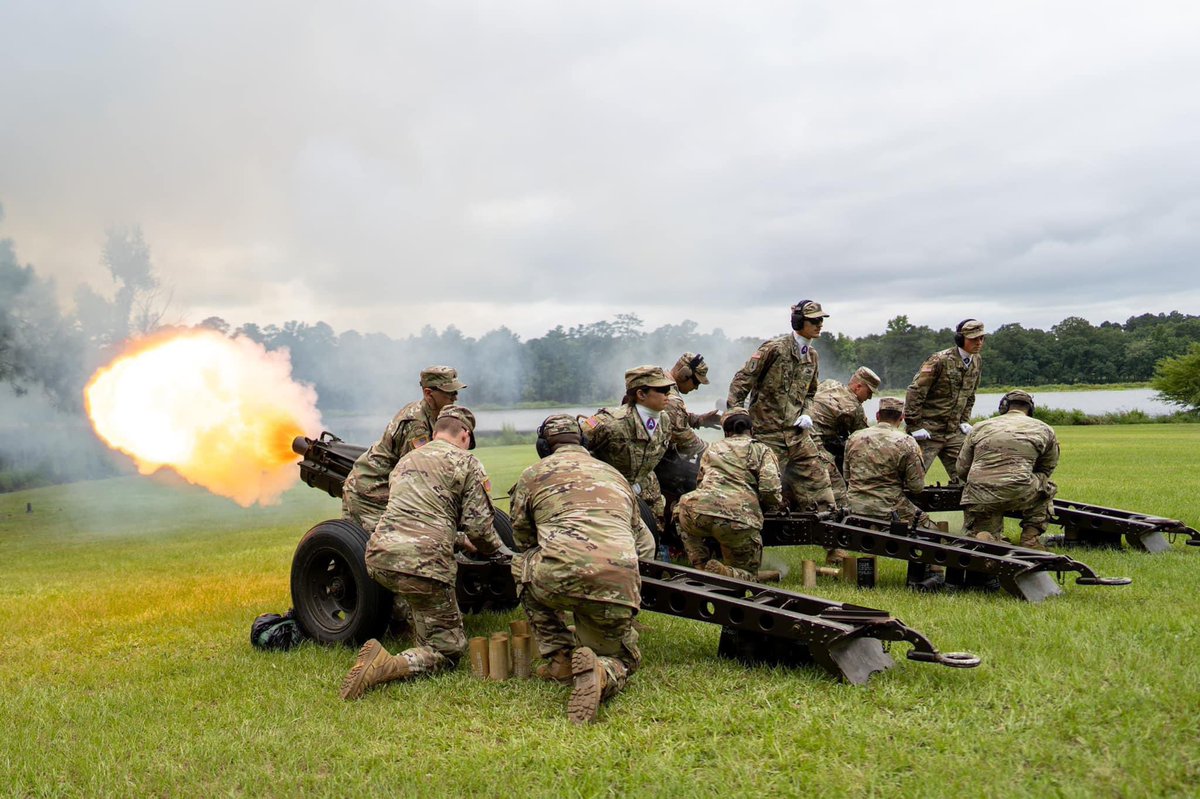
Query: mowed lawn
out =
(127, 670)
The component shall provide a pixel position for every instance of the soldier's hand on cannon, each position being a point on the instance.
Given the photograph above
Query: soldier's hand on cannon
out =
(920, 435)
(503, 555)
(803, 421)
(965, 428)
(463, 544)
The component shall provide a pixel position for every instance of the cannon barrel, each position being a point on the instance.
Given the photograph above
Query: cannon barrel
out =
(300, 445)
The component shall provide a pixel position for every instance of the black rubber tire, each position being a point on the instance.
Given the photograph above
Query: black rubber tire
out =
(504, 529)
(648, 518)
(335, 600)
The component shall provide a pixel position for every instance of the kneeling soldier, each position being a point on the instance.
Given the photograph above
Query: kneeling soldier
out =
(882, 463)
(736, 475)
(434, 491)
(1006, 462)
(579, 535)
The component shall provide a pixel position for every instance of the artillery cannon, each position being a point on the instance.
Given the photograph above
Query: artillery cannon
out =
(337, 602)
(1082, 524)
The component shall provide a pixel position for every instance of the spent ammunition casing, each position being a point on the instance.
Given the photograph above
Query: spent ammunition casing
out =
(522, 656)
(810, 574)
(518, 627)
(498, 657)
(479, 657)
(849, 569)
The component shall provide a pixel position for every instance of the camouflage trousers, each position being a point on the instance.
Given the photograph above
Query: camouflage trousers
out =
(604, 627)
(989, 517)
(437, 622)
(945, 448)
(836, 482)
(907, 511)
(741, 548)
(366, 515)
(805, 478)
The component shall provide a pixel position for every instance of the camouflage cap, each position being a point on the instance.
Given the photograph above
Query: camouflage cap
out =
(443, 378)
(894, 404)
(560, 424)
(646, 377)
(809, 310)
(972, 328)
(462, 415)
(865, 376)
(1017, 396)
(699, 372)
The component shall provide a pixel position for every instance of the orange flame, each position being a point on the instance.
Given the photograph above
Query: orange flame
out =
(221, 412)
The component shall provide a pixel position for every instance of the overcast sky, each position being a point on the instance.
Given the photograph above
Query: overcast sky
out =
(380, 166)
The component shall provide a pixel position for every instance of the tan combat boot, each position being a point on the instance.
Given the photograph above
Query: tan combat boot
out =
(374, 666)
(1030, 538)
(590, 681)
(557, 668)
(834, 557)
(984, 535)
(717, 567)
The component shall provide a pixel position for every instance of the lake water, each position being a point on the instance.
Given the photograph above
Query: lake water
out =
(367, 427)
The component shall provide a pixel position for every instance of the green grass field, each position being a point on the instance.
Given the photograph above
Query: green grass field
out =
(127, 670)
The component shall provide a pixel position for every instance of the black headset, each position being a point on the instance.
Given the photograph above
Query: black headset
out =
(798, 315)
(959, 338)
(691, 367)
(543, 444)
(1004, 404)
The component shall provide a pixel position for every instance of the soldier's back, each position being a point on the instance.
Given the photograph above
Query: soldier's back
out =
(729, 480)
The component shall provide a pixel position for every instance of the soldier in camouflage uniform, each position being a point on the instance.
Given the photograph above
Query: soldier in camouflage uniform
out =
(365, 493)
(882, 463)
(1007, 462)
(689, 373)
(836, 413)
(633, 438)
(738, 477)
(939, 400)
(779, 381)
(579, 535)
(435, 491)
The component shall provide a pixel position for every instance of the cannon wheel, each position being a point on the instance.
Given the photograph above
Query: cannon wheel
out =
(335, 601)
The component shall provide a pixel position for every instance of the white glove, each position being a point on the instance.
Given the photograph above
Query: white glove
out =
(965, 428)
(637, 489)
(803, 421)
(921, 435)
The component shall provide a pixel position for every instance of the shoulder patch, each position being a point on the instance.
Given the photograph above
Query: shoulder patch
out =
(487, 485)
(420, 441)
(756, 356)
(927, 368)
(591, 421)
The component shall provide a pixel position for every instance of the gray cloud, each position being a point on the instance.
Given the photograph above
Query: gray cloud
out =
(531, 164)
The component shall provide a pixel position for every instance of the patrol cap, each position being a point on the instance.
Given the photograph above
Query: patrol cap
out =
(809, 310)
(1018, 396)
(894, 404)
(443, 378)
(462, 415)
(973, 328)
(865, 376)
(646, 377)
(699, 372)
(560, 424)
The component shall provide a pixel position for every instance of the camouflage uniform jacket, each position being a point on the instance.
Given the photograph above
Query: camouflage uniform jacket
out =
(410, 428)
(1007, 459)
(578, 530)
(738, 476)
(780, 383)
(942, 393)
(683, 437)
(836, 412)
(882, 462)
(435, 491)
(620, 439)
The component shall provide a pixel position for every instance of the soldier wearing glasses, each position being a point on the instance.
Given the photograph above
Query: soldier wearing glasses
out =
(365, 494)
(633, 438)
(777, 386)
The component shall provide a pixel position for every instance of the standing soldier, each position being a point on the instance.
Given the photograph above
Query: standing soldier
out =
(579, 533)
(633, 438)
(435, 491)
(882, 463)
(365, 493)
(837, 412)
(780, 380)
(738, 476)
(939, 400)
(689, 373)
(1007, 462)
